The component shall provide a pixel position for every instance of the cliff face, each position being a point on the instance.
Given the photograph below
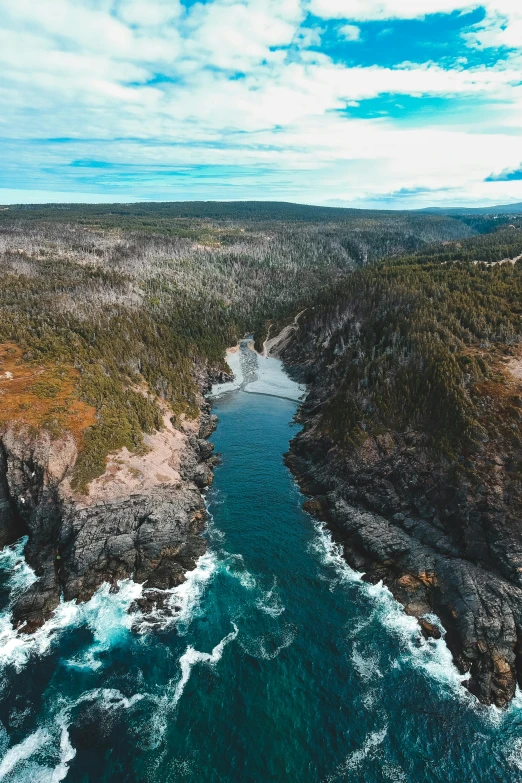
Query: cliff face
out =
(444, 541)
(148, 529)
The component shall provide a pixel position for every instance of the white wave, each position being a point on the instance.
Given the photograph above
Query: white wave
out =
(370, 698)
(110, 698)
(246, 579)
(45, 755)
(433, 656)
(184, 600)
(516, 703)
(158, 726)
(216, 498)
(192, 656)
(270, 602)
(330, 554)
(12, 560)
(23, 751)
(268, 646)
(394, 773)
(496, 716)
(367, 666)
(360, 625)
(515, 754)
(16, 648)
(106, 614)
(274, 610)
(173, 691)
(355, 759)
(67, 753)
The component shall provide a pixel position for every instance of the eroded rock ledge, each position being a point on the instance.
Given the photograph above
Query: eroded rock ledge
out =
(142, 519)
(434, 545)
(445, 541)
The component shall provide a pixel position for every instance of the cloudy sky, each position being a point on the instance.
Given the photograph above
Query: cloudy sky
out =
(389, 103)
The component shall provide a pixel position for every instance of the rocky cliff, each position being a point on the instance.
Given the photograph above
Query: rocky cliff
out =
(142, 519)
(445, 539)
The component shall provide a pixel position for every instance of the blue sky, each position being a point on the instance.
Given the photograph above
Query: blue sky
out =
(401, 103)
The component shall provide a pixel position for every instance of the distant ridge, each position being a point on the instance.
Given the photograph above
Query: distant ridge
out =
(502, 209)
(213, 210)
(239, 210)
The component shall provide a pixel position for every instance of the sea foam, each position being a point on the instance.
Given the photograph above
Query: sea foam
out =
(433, 656)
(355, 759)
(44, 756)
(106, 614)
(192, 656)
(23, 751)
(12, 561)
(182, 603)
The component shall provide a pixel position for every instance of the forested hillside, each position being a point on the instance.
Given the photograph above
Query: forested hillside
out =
(161, 214)
(412, 439)
(111, 301)
(411, 342)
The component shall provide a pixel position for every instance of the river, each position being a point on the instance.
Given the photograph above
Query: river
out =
(279, 664)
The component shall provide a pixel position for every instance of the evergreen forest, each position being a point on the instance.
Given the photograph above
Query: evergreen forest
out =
(132, 304)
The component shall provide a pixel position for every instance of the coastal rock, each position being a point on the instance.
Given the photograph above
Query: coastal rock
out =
(206, 449)
(11, 524)
(426, 568)
(76, 543)
(442, 542)
(203, 476)
(429, 630)
(207, 424)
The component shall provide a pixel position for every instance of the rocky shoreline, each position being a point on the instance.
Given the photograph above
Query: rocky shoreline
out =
(147, 528)
(439, 547)
(480, 610)
(441, 543)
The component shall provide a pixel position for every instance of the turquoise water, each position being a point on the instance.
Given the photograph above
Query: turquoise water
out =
(280, 663)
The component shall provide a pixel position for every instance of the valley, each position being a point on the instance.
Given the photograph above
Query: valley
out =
(404, 329)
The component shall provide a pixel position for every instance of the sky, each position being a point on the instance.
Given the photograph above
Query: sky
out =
(367, 103)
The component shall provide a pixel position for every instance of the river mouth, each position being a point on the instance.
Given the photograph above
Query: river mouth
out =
(257, 374)
(278, 663)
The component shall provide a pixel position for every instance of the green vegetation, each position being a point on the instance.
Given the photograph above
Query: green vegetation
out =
(155, 215)
(424, 343)
(141, 299)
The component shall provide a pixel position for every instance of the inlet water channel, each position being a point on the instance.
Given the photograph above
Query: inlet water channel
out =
(280, 663)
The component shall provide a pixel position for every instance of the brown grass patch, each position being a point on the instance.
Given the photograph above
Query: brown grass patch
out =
(41, 396)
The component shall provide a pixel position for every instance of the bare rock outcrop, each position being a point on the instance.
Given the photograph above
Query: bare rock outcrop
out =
(443, 534)
(140, 523)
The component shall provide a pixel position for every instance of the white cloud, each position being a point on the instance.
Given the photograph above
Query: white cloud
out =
(368, 10)
(241, 83)
(371, 10)
(501, 27)
(149, 13)
(237, 35)
(350, 31)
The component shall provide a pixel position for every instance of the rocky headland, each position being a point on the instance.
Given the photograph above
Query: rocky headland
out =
(446, 542)
(142, 518)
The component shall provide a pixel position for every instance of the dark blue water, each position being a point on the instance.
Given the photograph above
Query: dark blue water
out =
(281, 665)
